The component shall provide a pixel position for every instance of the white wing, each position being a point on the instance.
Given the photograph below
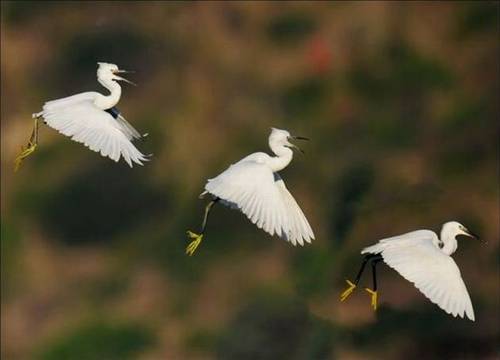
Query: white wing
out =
(298, 222)
(68, 101)
(128, 129)
(416, 257)
(78, 118)
(262, 196)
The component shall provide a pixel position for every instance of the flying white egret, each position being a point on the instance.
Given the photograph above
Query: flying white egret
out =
(253, 186)
(92, 119)
(425, 260)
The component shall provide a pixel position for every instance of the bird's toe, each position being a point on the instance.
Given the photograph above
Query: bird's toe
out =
(345, 294)
(374, 297)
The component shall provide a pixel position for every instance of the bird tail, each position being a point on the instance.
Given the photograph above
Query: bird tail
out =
(374, 249)
(202, 195)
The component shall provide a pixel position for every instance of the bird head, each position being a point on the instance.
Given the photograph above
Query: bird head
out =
(107, 71)
(280, 137)
(455, 228)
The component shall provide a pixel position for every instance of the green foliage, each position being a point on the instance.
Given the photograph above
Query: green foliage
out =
(9, 238)
(274, 327)
(99, 341)
(18, 12)
(354, 184)
(99, 203)
(408, 71)
(394, 89)
(114, 44)
(320, 341)
(290, 28)
(469, 144)
(312, 271)
(399, 73)
(10, 242)
(477, 17)
(464, 115)
(424, 327)
(202, 340)
(304, 96)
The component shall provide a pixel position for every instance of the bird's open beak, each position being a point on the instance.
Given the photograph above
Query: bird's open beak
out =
(293, 146)
(470, 234)
(123, 79)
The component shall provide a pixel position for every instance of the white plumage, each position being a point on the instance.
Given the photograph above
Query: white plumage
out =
(83, 118)
(424, 259)
(254, 187)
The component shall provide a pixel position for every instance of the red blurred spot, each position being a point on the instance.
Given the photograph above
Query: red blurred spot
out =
(319, 55)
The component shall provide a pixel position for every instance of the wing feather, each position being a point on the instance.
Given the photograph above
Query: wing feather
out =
(127, 128)
(417, 258)
(298, 222)
(261, 195)
(77, 117)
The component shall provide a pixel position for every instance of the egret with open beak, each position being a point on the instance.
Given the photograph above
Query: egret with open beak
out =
(254, 187)
(92, 119)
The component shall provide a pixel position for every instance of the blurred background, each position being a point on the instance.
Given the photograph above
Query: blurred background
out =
(400, 101)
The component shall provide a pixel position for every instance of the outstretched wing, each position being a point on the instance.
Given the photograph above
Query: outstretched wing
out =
(416, 257)
(78, 118)
(254, 189)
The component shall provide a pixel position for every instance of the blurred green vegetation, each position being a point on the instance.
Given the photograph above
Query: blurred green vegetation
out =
(276, 327)
(101, 204)
(400, 101)
(289, 28)
(99, 341)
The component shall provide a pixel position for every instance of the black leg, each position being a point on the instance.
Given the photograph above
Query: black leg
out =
(345, 294)
(373, 292)
(362, 269)
(375, 261)
(207, 212)
(196, 238)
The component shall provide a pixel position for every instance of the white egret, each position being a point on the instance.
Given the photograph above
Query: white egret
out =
(425, 260)
(92, 119)
(253, 186)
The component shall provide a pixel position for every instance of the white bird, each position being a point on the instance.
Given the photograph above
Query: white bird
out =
(253, 186)
(425, 260)
(92, 119)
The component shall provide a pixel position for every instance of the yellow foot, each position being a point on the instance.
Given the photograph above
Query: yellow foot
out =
(345, 294)
(193, 244)
(24, 154)
(374, 298)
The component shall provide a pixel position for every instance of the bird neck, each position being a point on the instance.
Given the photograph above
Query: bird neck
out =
(283, 157)
(108, 101)
(449, 243)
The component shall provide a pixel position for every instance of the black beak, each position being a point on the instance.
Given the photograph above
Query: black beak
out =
(300, 138)
(293, 146)
(123, 79)
(297, 148)
(124, 72)
(472, 235)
